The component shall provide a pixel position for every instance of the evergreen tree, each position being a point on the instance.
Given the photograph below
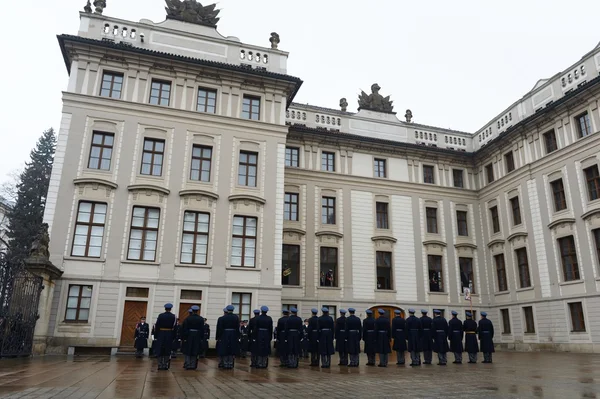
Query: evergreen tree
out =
(26, 216)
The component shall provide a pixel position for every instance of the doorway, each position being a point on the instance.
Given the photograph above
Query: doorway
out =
(389, 311)
(132, 313)
(183, 311)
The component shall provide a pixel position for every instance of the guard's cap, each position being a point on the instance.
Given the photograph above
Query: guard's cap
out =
(195, 308)
(256, 311)
(351, 310)
(381, 311)
(468, 314)
(190, 310)
(285, 311)
(230, 308)
(397, 311)
(314, 310)
(168, 306)
(436, 311)
(324, 309)
(294, 310)
(424, 311)
(411, 310)
(264, 308)
(225, 309)
(454, 313)
(484, 314)
(343, 311)
(369, 311)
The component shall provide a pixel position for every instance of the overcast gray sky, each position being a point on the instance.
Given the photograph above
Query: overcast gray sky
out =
(455, 64)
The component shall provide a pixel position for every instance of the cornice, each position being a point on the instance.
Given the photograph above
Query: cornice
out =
(384, 238)
(247, 197)
(494, 242)
(329, 233)
(590, 213)
(515, 235)
(151, 187)
(434, 242)
(95, 180)
(294, 230)
(465, 245)
(561, 221)
(204, 193)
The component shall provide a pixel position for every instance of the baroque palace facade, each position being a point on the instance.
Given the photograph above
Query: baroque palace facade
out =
(185, 173)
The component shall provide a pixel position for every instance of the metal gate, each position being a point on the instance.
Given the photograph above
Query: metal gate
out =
(19, 297)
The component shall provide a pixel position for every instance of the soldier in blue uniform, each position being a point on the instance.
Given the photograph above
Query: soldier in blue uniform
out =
(369, 337)
(142, 332)
(206, 338)
(399, 335)
(439, 326)
(305, 342)
(293, 333)
(164, 332)
(262, 338)
(281, 339)
(353, 336)
(251, 333)
(426, 337)
(313, 338)
(340, 338)
(455, 335)
(471, 345)
(414, 332)
(384, 335)
(486, 337)
(183, 344)
(326, 349)
(227, 336)
(219, 321)
(244, 340)
(192, 332)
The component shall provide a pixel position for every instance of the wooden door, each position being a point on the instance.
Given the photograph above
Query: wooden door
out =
(389, 313)
(183, 311)
(132, 313)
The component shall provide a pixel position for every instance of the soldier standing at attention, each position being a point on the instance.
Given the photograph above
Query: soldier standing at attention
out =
(227, 336)
(426, 337)
(399, 335)
(142, 332)
(340, 338)
(440, 337)
(486, 337)
(219, 321)
(313, 338)
(414, 332)
(183, 345)
(384, 335)
(455, 335)
(353, 336)
(281, 344)
(206, 338)
(251, 334)
(471, 345)
(369, 337)
(192, 332)
(293, 333)
(176, 339)
(244, 341)
(305, 339)
(164, 332)
(326, 349)
(262, 337)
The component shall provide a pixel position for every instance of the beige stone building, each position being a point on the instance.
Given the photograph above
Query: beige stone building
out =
(184, 173)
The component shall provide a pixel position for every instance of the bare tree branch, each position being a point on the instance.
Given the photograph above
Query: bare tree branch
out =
(8, 188)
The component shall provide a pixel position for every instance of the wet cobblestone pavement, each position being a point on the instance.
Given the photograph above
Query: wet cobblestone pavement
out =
(512, 375)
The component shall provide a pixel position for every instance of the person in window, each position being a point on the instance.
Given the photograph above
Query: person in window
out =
(434, 283)
(322, 277)
(464, 279)
(329, 278)
(142, 332)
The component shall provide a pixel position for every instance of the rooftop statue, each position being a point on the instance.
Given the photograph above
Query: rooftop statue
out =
(375, 101)
(39, 248)
(88, 7)
(274, 39)
(100, 6)
(343, 104)
(408, 115)
(193, 12)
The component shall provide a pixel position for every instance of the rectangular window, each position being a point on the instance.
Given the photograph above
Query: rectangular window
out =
(243, 246)
(207, 100)
(495, 219)
(194, 244)
(152, 157)
(137, 292)
(290, 265)
(160, 94)
(593, 182)
(328, 161)
(501, 273)
(584, 126)
(384, 270)
(251, 108)
(332, 310)
(568, 255)
(457, 175)
(241, 304)
(144, 234)
(328, 210)
(516, 211)
(201, 163)
(380, 170)
(529, 323)
(432, 224)
(436, 279)
(112, 83)
(382, 215)
(463, 225)
(329, 266)
(523, 266)
(577, 319)
(101, 151)
(290, 207)
(292, 157)
(78, 303)
(505, 321)
(467, 273)
(550, 141)
(509, 161)
(248, 166)
(89, 229)
(489, 170)
(596, 233)
(428, 174)
(558, 193)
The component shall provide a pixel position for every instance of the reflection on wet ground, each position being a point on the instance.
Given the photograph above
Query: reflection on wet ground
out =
(512, 375)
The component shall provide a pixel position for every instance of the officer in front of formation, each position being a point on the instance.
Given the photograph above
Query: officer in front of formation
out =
(414, 331)
(471, 345)
(439, 326)
(353, 334)
(313, 338)
(426, 337)
(369, 337)
(227, 337)
(399, 335)
(142, 332)
(326, 348)
(192, 333)
(305, 343)
(262, 335)
(455, 335)
(251, 330)
(244, 340)
(486, 337)
(340, 338)
(384, 335)
(165, 323)
(293, 334)
(281, 341)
